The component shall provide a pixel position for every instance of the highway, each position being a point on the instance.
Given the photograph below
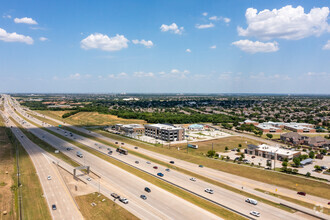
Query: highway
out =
(54, 190)
(160, 203)
(221, 195)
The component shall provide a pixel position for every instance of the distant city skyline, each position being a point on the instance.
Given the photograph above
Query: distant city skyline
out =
(188, 46)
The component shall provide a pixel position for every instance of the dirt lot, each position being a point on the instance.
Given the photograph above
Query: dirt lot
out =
(6, 165)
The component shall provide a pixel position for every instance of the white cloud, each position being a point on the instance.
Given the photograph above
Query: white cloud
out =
(188, 50)
(103, 42)
(43, 38)
(75, 76)
(143, 74)
(285, 23)
(117, 76)
(226, 20)
(203, 26)
(25, 20)
(326, 46)
(172, 28)
(213, 46)
(143, 42)
(214, 18)
(257, 46)
(14, 37)
(7, 16)
(205, 14)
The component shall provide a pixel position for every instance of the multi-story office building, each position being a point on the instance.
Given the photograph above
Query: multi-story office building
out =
(165, 132)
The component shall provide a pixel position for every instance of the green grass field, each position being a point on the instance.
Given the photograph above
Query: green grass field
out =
(106, 209)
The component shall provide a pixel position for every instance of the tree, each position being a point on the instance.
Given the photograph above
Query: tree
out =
(308, 174)
(270, 136)
(317, 167)
(296, 161)
(284, 165)
(210, 153)
(311, 154)
(226, 148)
(269, 163)
(295, 171)
(238, 150)
(242, 156)
(239, 145)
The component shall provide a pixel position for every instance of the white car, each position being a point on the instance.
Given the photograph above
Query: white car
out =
(89, 179)
(49, 177)
(124, 200)
(255, 213)
(193, 179)
(148, 162)
(208, 190)
(252, 201)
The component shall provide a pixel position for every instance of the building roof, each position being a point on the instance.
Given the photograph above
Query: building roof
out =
(276, 150)
(164, 126)
(132, 126)
(267, 126)
(252, 146)
(196, 126)
(293, 135)
(306, 161)
(249, 121)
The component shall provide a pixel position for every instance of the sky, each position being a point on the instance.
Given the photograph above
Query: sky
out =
(158, 46)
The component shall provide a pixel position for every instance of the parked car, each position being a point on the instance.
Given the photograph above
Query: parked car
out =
(253, 157)
(54, 207)
(193, 179)
(208, 190)
(137, 162)
(123, 200)
(172, 162)
(255, 213)
(160, 174)
(143, 197)
(147, 189)
(301, 193)
(116, 142)
(122, 143)
(114, 195)
(155, 167)
(251, 201)
(49, 177)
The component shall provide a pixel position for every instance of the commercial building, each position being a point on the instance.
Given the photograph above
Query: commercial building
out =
(276, 127)
(130, 128)
(300, 127)
(249, 122)
(165, 132)
(271, 152)
(196, 127)
(268, 128)
(296, 139)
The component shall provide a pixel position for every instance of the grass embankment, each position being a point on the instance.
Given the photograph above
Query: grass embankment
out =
(7, 173)
(106, 209)
(177, 168)
(90, 118)
(44, 145)
(299, 202)
(215, 209)
(34, 205)
(312, 187)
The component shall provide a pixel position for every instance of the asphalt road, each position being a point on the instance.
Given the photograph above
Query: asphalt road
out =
(160, 203)
(54, 190)
(221, 195)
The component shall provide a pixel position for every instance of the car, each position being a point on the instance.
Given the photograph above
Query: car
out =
(136, 148)
(137, 162)
(110, 152)
(89, 179)
(201, 166)
(160, 174)
(143, 197)
(122, 143)
(155, 167)
(251, 201)
(114, 195)
(49, 177)
(69, 148)
(148, 162)
(255, 213)
(193, 179)
(208, 190)
(168, 170)
(123, 200)
(147, 189)
(54, 207)
(172, 162)
(253, 157)
(116, 142)
(301, 193)
(324, 167)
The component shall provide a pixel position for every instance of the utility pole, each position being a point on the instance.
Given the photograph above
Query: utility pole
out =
(212, 146)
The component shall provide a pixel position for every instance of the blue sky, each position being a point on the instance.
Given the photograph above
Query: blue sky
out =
(156, 46)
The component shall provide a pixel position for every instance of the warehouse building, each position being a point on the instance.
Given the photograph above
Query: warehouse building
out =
(165, 132)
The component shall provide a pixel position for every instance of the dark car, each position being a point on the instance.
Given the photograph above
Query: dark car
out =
(136, 148)
(114, 195)
(143, 197)
(116, 142)
(54, 207)
(160, 174)
(301, 193)
(172, 162)
(201, 166)
(137, 162)
(155, 167)
(147, 190)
